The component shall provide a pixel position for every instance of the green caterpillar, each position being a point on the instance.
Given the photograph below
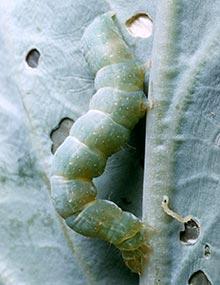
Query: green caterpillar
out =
(114, 110)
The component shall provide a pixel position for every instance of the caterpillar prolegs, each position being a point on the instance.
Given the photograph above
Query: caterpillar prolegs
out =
(114, 110)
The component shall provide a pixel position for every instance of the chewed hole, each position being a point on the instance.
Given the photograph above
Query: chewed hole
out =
(140, 25)
(199, 278)
(32, 58)
(207, 251)
(191, 232)
(59, 134)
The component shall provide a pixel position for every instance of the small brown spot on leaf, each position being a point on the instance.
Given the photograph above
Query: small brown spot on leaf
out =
(207, 251)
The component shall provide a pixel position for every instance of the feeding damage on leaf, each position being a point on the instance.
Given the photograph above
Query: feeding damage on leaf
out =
(114, 110)
(191, 232)
(140, 25)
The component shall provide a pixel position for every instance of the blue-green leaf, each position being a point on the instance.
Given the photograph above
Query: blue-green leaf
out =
(182, 146)
(44, 79)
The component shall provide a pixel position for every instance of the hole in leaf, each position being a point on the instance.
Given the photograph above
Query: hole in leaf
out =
(207, 251)
(191, 232)
(59, 134)
(140, 25)
(32, 58)
(199, 278)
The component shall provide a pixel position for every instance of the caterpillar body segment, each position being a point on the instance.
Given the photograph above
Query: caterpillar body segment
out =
(114, 110)
(103, 44)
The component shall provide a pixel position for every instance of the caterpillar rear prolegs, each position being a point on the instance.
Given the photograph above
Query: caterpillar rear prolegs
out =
(114, 110)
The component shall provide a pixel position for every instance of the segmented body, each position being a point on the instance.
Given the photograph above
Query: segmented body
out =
(114, 110)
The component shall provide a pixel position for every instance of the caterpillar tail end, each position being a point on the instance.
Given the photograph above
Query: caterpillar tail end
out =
(137, 258)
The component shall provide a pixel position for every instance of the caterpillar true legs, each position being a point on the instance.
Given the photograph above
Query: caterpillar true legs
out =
(114, 110)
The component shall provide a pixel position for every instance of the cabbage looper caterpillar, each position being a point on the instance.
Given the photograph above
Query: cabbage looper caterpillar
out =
(114, 110)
